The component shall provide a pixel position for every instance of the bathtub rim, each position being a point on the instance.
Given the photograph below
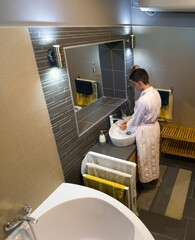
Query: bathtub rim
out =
(60, 196)
(77, 191)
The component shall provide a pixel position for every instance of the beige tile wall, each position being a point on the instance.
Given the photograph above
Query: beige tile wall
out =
(168, 54)
(29, 164)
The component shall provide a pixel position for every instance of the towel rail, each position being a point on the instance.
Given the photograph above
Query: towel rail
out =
(90, 183)
(87, 80)
(113, 166)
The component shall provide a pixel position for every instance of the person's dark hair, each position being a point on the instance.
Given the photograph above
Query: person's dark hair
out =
(140, 74)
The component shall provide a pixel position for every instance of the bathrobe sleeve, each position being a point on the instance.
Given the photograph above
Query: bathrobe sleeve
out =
(138, 115)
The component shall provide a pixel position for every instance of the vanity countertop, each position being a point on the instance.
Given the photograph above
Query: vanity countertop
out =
(113, 151)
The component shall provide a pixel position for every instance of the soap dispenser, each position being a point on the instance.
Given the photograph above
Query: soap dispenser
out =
(102, 138)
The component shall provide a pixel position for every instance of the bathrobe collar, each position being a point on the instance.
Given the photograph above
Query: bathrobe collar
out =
(146, 91)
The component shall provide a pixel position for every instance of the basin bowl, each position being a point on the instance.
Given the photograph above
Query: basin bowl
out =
(120, 138)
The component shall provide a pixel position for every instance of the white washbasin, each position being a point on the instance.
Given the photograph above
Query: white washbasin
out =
(120, 138)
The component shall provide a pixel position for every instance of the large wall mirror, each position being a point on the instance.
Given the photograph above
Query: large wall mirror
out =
(97, 80)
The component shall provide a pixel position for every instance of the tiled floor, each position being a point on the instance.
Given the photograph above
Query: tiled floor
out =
(165, 228)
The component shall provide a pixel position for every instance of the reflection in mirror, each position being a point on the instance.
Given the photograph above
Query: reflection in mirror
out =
(98, 80)
(85, 74)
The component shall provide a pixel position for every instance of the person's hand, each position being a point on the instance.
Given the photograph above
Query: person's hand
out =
(123, 126)
(126, 121)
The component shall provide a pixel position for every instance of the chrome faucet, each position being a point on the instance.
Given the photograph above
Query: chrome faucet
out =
(113, 118)
(20, 219)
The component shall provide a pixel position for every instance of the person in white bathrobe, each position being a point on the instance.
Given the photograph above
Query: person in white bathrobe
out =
(146, 112)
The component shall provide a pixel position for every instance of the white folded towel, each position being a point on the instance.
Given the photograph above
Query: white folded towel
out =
(109, 174)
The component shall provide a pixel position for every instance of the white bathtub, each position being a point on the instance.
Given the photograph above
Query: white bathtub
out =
(75, 212)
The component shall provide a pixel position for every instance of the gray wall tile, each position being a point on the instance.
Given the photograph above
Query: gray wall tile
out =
(109, 92)
(107, 79)
(106, 59)
(118, 59)
(120, 94)
(119, 83)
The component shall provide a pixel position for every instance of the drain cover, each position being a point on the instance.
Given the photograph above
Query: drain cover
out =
(128, 133)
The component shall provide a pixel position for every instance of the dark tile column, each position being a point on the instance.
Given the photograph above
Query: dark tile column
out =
(56, 89)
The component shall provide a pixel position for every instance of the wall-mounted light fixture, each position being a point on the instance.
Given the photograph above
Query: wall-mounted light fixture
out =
(131, 41)
(167, 5)
(51, 57)
(58, 57)
(134, 68)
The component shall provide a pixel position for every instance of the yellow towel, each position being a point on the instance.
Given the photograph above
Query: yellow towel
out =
(115, 190)
(83, 99)
(166, 112)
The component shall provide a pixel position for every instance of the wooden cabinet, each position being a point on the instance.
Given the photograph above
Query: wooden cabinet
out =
(179, 141)
(133, 157)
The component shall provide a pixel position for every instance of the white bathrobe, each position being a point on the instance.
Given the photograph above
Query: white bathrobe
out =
(146, 112)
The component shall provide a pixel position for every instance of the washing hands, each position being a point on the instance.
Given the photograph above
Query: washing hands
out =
(123, 125)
